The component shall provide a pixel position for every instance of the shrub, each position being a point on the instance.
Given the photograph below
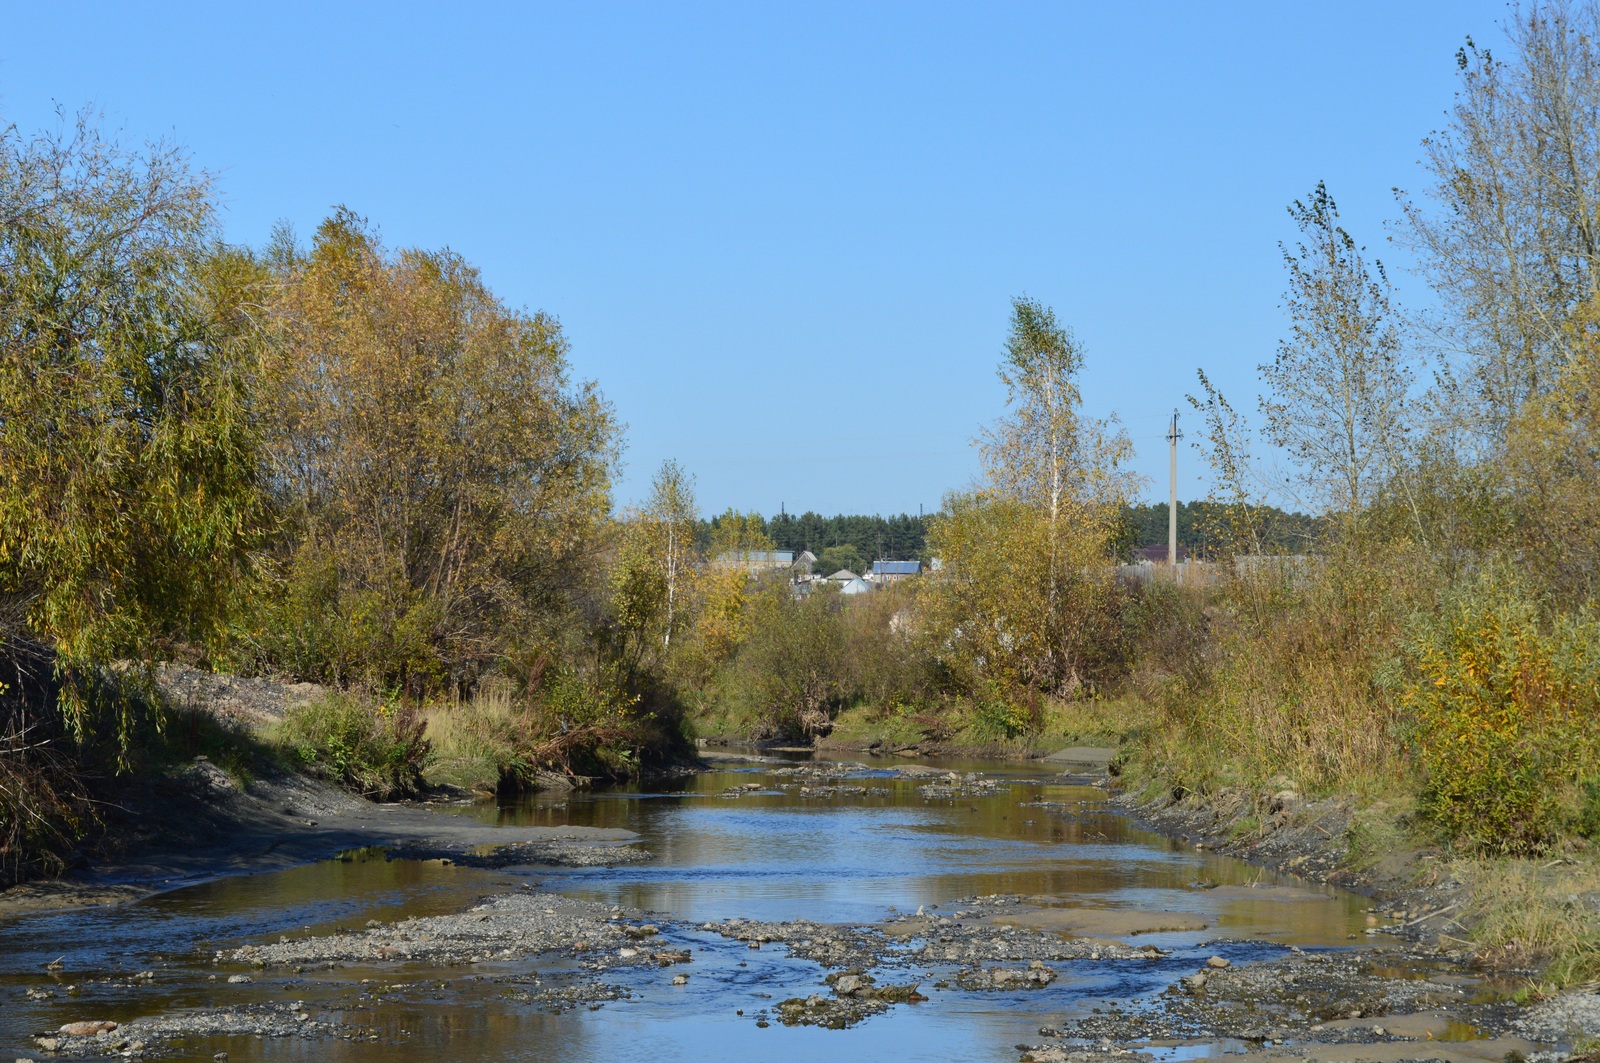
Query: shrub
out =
(1504, 707)
(792, 666)
(998, 718)
(1288, 678)
(377, 751)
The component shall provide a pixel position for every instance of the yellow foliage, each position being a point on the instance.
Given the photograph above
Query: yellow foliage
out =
(1505, 712)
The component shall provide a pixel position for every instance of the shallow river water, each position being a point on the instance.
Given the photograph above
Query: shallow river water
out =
(722, 847)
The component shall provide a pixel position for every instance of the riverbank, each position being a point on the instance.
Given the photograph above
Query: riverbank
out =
(1088, 941)
(1533, 920)
(201, 823)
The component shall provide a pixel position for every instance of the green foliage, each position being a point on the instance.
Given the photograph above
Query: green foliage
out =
(1206, 528)
(439, 469)
(792, 666)
(377, 750)
(129, 464)
(842, 557)
(996, 717)
(1586, 823)
(1504, 704)
(898, 538)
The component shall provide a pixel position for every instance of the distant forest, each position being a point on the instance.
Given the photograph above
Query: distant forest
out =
(854, 541)
(844, 541)
(1200, 522)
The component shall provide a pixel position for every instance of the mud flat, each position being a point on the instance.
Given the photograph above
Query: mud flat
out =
(200, 824)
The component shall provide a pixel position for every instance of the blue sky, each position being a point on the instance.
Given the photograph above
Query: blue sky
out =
(784, 238)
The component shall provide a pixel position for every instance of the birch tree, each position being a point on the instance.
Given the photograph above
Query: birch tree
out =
(1337, 389)
(1021, 596)
(1508, 228)
(672, 513)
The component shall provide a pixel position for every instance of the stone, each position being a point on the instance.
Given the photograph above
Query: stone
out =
(90, 1028)
(239, 979)
(1196, 981)
(1217, 962)
(848, 984)
(680, 979)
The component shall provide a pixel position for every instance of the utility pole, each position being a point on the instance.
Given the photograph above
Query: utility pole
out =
(1173, 435)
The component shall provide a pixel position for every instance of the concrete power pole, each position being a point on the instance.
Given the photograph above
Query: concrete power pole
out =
(1173, 436)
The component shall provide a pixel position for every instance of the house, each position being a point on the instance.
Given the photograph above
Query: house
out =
(803, 562)
(856, 585)
(842, 576)
(893, 571)
(756, 561)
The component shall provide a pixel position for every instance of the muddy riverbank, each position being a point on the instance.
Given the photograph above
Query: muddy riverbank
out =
(200, 824)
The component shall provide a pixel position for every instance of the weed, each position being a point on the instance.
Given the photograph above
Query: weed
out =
(378, 750)
(1525, 912)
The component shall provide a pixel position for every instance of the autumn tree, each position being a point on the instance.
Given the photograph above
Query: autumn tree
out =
(657, 565)
(733, 532)
(1023, 584)
(1337, 389)
(1508, 228)
(130, 489)
(1223, 442)
(442, 472)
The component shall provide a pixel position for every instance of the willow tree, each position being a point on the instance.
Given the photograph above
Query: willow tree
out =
(442, 472)
(130, 498)
(1024, 583)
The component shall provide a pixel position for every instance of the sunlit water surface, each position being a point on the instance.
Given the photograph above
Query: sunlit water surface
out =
(772, 854)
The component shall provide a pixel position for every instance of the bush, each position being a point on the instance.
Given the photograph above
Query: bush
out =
(378, 752)
(1504, 707)
(792, 667)
(998, 718)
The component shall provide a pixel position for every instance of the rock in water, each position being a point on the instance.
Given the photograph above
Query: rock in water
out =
(87, 1029)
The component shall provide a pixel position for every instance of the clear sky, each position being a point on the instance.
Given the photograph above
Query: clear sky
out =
(784, 237)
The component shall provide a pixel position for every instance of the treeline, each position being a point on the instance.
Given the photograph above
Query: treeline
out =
(333, 459)
(1205, 527)
(850, 541)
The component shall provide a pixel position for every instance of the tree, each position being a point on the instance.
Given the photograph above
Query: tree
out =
(1337, 389)
(442, 474)
(130, 487)
(736, 533)
(1512, 240)
(1224, 444)
(671, 514)
(1023, 584)
(656, 564)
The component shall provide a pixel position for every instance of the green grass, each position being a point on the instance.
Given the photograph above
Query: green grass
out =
(374, 750)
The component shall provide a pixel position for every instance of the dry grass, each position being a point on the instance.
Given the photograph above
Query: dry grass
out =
(1291, 682)
(474, 741)
(1536, 913)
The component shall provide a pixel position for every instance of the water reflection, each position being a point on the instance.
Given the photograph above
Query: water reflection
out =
(778, 854)
(772, 854)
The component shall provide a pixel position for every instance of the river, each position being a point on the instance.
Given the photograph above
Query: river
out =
(855, 845)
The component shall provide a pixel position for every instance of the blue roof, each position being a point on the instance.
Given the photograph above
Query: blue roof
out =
(896, 568)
